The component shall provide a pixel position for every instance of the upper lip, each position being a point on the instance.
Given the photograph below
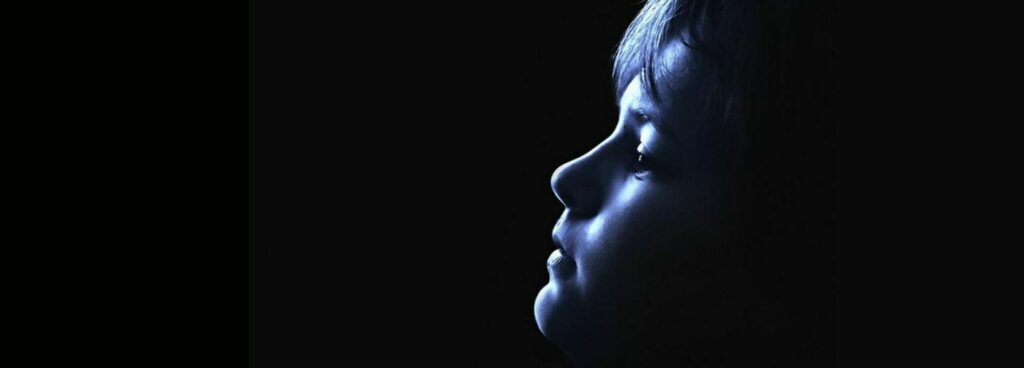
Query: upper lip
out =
(559, 244)
(556, 235)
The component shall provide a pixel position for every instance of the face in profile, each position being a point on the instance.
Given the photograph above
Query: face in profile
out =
(641, 256)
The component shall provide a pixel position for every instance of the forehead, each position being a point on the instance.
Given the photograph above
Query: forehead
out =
(673, 69)
(672, 78)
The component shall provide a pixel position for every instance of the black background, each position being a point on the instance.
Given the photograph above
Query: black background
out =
(141, 159)
(129, 131)
(403, 157)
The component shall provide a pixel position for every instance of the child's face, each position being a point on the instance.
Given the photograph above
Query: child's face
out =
(643, 216)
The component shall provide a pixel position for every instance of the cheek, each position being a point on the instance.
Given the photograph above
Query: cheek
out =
(628, 259)
(633, 231)
(649, 226)
(646, 213)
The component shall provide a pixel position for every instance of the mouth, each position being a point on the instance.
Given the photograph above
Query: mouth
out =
(560, 262)
(559, 245)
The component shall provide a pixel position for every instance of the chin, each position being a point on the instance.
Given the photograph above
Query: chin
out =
(558, 318)
(551, 309)
(543, 308)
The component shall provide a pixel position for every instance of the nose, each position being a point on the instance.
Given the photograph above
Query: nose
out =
(576, 184)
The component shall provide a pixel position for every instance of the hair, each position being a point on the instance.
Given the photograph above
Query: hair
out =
(719, 34)
(765, 74)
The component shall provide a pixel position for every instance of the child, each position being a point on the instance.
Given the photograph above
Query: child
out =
(699, 232)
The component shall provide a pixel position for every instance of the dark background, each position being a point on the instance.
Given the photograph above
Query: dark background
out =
(135, 169)
(403, 157)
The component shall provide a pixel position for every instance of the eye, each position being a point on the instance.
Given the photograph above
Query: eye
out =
(642, 116)
(642, 163)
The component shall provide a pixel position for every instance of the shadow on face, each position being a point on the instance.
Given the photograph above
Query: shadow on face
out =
(674, 249)
(643, 263)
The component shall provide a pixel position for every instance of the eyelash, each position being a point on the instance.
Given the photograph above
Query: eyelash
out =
(642, 116)
(641, 166)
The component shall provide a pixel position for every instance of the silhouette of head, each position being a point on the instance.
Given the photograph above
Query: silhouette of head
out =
(674, 245)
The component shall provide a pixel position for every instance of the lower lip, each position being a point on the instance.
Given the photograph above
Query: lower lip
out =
(558, 263)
